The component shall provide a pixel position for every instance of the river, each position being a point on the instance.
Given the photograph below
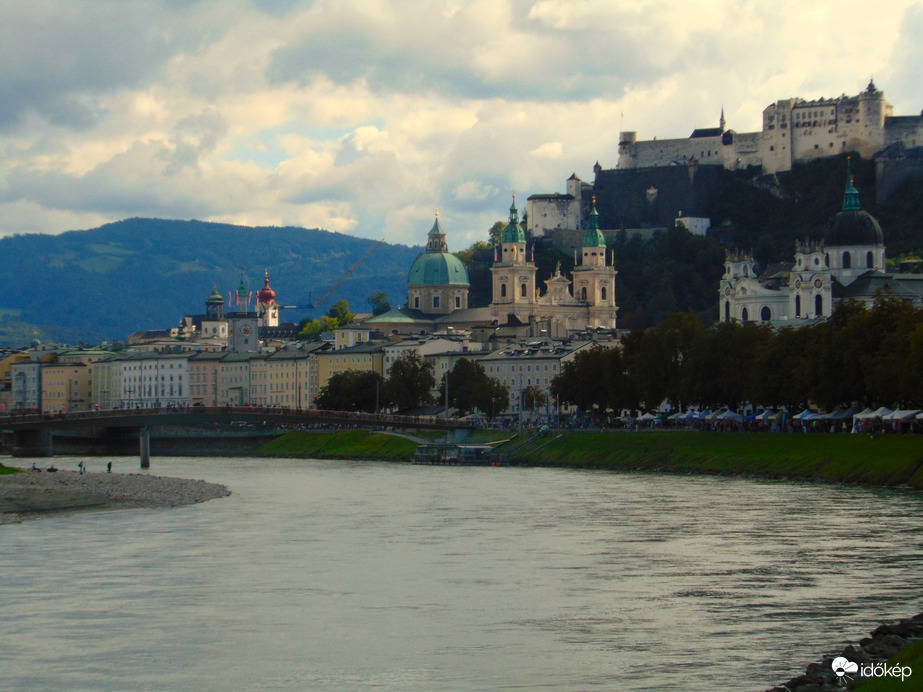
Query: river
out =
(322, 575)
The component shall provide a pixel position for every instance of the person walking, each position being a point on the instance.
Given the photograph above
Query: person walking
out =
(109, 467)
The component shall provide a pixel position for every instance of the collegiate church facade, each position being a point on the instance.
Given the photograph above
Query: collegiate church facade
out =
(848, 264)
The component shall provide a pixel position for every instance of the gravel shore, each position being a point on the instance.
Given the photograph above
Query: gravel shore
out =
(33, 494)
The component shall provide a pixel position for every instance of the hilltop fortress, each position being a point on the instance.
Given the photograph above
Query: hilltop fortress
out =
(794, 131)
(661, 182)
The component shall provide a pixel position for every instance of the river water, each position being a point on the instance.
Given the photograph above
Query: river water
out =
(320, 575)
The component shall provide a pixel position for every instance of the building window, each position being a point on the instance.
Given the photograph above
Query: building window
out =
(457, 302)
(503, 290)
(416, 302)
(435, 301)
(522, 290)
(744, 315)
(727, 311)
(818, 305)
(797, 306)
(765, 314)
(868, 260)
(583, 293)
(602, 293)
(847, 263)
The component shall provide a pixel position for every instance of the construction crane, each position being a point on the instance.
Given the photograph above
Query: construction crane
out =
(315, 303)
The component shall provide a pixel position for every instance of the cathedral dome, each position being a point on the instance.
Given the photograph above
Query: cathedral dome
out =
(437, 268)
(852, 226)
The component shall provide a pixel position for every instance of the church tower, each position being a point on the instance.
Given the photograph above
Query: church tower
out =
(266, 306)
(594, 280)
(243, 325)
(513, 274)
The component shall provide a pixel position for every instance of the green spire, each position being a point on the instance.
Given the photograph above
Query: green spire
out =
(851, 196)
(215, 297)
(436, 229)
(513, 232)
(594, 237)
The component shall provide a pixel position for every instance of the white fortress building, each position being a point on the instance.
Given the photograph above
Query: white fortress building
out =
(794, 131)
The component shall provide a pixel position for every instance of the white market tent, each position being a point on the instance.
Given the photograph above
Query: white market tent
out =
(902, 414)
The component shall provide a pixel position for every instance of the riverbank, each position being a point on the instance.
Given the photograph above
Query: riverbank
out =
(31, 494)
(885, 461)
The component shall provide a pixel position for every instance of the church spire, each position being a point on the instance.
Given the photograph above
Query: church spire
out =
(851, 196)
(721, 122)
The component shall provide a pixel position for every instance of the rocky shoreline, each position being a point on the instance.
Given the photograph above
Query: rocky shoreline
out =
(884, 643)
(33, 494)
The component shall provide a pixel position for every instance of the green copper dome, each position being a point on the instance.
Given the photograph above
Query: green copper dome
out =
(437, 268)
(594, 237)
(513, 232)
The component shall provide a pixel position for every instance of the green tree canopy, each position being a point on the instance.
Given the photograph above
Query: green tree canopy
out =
(351, 390)
(379, 302)
(411, 382)
(471, 388)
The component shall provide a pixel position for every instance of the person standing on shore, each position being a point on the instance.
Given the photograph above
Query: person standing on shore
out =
(109, 467)
(81, 467)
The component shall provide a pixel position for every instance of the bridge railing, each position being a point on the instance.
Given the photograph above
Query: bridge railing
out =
(243, 412)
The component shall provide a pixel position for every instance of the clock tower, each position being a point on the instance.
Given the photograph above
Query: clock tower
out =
(243, 325)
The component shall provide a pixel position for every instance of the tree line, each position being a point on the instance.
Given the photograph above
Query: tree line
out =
(873, 357)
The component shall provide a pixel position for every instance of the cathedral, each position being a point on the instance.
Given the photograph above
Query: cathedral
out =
(437, 288)
(848, 264)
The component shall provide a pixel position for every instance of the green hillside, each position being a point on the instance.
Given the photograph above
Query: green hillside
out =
(138, 274)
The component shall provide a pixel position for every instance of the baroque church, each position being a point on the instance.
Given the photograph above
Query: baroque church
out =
(437, 288)
(849, 263)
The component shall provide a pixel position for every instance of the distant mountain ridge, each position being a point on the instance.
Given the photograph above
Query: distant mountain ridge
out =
(139, 274)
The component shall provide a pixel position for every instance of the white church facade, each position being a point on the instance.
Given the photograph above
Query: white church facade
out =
(849, 263)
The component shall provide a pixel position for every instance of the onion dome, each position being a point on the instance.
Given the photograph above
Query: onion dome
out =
(215, 297)
(437, 266)
(513, 232)
(594, 237)
(266, 295)
(852, 226)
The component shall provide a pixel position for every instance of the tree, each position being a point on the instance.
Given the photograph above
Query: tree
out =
(495, 233)
(533, 398)
(411, 382)
(338, 316)
(340, 312)
(351, 390)
(312, 329)
(471, 388)
(379, 302)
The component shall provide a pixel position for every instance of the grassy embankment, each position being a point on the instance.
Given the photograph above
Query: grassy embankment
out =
(356, 444)
(340, 444)
(889, 460)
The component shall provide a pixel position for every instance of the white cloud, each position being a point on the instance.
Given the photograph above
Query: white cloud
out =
(366, 116)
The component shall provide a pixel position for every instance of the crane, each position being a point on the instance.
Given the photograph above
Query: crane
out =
(315, 303)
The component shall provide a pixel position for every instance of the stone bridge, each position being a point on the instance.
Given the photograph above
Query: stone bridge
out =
(32, 432)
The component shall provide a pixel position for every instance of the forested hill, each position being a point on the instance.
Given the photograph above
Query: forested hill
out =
(137, 274)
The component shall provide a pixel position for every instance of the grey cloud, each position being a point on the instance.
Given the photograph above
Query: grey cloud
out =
(57, 56)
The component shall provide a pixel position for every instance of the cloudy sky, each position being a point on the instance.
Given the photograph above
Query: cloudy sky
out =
(364, 116)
